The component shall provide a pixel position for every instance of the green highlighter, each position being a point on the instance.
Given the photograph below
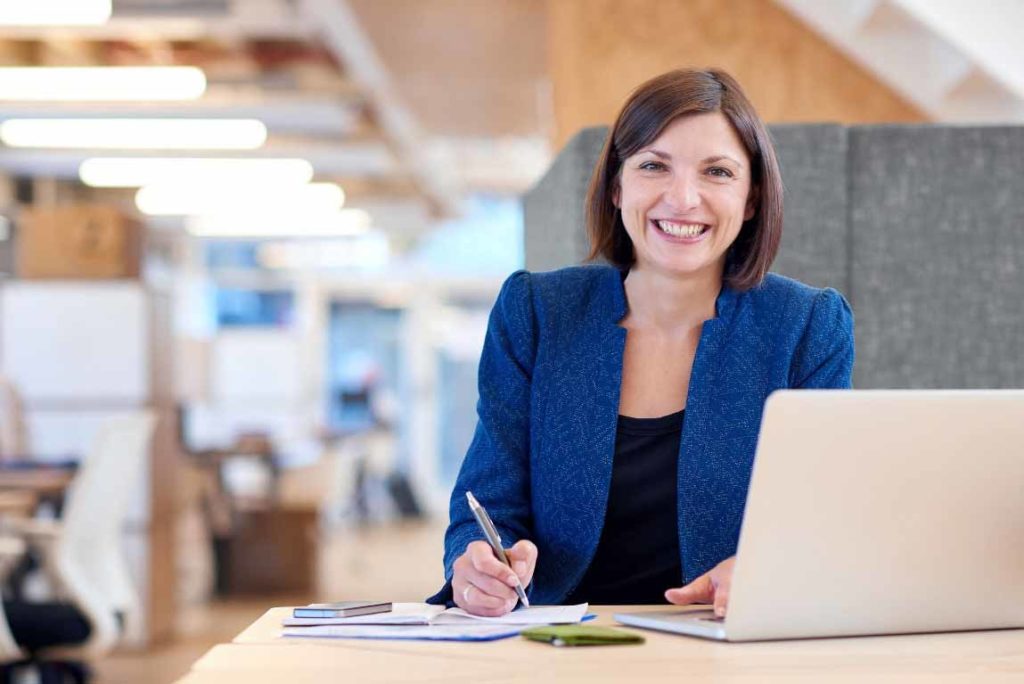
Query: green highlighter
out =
(581, 635)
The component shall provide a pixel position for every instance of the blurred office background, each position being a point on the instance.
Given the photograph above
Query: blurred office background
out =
(248, 249)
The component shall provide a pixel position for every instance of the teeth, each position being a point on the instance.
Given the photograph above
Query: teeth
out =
(681, 229)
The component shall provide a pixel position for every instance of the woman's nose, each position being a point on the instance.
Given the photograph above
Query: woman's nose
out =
(683, 193)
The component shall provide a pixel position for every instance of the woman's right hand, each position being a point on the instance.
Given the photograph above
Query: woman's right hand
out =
(483, 585)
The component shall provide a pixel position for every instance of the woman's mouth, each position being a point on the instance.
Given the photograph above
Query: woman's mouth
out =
(681, 231)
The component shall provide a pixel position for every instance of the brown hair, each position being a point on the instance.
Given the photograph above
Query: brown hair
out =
(647, 112)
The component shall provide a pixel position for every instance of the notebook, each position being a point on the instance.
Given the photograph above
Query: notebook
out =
(423, 614)
(468, 632)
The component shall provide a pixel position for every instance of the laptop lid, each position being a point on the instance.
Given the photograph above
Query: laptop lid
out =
(883, 512)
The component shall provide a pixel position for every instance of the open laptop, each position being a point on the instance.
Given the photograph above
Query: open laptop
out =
(876, 512)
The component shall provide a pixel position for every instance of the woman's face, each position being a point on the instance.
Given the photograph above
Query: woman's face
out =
(685, 196)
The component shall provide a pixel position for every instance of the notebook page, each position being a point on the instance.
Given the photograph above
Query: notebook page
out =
(534, 615)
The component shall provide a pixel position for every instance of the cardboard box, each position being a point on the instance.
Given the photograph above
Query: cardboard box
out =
(77, 241)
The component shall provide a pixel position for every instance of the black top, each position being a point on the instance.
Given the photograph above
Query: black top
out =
(637, 557)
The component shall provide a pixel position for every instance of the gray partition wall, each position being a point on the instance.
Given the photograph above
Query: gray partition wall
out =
(921, 227)
(815, 242)
(937, 230)
(553, 209)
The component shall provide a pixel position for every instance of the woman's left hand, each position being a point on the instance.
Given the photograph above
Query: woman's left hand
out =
(711, 587)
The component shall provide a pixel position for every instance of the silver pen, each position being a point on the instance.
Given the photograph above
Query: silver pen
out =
(494, 539)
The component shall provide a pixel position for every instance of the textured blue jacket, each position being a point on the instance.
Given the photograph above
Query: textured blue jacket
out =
(549, 380)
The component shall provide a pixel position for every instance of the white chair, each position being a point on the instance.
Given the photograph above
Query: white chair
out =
(339, 460)
(13, 431)
(82, 552)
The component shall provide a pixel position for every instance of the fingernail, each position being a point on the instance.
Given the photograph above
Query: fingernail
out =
(720, 611)
(520, 567)
(511, 580)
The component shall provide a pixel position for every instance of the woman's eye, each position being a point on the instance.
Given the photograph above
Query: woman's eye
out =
(651, 166)
(720, 172)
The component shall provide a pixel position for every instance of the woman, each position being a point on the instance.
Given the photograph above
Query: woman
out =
(620, 405)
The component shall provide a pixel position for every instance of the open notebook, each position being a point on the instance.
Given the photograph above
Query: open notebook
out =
(426, 614)
(432, 623)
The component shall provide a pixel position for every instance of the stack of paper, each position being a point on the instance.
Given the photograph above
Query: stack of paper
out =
(423, 621)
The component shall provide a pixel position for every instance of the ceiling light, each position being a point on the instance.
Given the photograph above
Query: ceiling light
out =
(136, 134)
(367, 252)
(281, 224)
(194, 200)
(55, 12)
(101, 83)
(135, 172)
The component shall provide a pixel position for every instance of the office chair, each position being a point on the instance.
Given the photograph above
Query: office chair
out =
(10, 651)
(82, 552)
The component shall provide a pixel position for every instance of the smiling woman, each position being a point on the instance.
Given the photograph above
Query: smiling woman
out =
(682, 210)
(722, 153)
(620, 404)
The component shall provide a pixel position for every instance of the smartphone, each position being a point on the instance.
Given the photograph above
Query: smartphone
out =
(341, 609)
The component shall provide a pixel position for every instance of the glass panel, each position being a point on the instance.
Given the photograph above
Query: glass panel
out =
(238, 307)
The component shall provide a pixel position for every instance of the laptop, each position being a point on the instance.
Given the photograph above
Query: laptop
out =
(876, 512)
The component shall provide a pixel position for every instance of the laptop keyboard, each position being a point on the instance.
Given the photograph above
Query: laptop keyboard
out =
(710, 617)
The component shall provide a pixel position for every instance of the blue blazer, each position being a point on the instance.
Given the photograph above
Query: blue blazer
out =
(549, 381)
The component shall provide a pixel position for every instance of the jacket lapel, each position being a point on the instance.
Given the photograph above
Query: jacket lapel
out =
(591, 378)
(701, 508)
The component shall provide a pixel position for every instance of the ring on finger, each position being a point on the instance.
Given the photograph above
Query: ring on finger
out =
(465, 593)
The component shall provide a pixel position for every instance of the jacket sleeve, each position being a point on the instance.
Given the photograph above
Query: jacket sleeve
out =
(824, 356)
(496, 466)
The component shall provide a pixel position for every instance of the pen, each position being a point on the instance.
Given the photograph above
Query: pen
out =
(494, 540)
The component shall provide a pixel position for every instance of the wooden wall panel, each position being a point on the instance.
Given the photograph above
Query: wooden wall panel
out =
(599, 50)
(165, 465)
(465, 67)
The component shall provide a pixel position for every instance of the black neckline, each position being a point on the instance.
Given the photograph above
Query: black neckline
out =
(652, 426)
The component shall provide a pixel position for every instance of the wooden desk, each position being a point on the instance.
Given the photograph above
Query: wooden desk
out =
(257, 655)
(41, 481)
(18, 502)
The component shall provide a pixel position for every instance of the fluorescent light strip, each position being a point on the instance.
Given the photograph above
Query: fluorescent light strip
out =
(96, 84)
(195, 200)
(135, 134)
(135, 172)
(55, 12)
(366, 252)
(283, 224)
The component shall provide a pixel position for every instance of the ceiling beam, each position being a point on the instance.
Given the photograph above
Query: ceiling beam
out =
(282, 113)
(367, 159)
(242, 19)
(345, 38)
